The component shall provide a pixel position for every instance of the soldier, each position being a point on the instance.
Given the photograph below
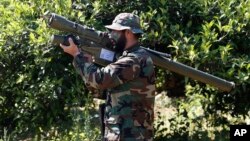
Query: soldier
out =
(129, 81)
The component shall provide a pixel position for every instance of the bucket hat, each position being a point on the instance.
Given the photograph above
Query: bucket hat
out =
(126, 21)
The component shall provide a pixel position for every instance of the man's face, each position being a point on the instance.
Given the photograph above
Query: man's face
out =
(120, 40)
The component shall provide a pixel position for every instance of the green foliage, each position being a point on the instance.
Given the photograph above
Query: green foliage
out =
(40, 90)
(38, 84)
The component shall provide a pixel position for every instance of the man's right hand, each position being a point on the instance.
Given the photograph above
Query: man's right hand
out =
(72, 49)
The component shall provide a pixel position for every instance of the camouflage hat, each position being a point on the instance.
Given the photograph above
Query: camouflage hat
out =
(126, 21)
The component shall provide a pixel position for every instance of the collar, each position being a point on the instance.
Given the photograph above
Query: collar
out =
(132, 48)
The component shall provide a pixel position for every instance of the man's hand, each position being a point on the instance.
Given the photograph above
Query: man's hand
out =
(72, 49)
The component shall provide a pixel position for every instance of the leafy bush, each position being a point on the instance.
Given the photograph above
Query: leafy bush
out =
(38, 84)
(39, 89)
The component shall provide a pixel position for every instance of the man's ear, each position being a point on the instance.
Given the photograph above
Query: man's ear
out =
(128, 33)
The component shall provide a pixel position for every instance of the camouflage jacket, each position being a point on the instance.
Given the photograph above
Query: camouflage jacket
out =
(130, 82)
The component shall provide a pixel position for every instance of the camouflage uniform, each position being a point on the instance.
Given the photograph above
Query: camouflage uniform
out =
(130, 81)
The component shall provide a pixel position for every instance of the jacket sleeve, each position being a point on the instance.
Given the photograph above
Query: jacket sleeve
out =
(124, 69)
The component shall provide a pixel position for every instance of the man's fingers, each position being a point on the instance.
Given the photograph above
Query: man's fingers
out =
(71, 41)
(62, 46)
(72, 49)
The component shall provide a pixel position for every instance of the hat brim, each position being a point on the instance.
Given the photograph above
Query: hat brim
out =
(119, 27)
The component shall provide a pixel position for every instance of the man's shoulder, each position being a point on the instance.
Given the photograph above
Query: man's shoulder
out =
(139, 53)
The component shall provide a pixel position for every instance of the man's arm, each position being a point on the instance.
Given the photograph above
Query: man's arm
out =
(117, 73)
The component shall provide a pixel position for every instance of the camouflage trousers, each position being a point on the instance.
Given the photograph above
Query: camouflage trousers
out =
(112, 130)
(113, 133)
